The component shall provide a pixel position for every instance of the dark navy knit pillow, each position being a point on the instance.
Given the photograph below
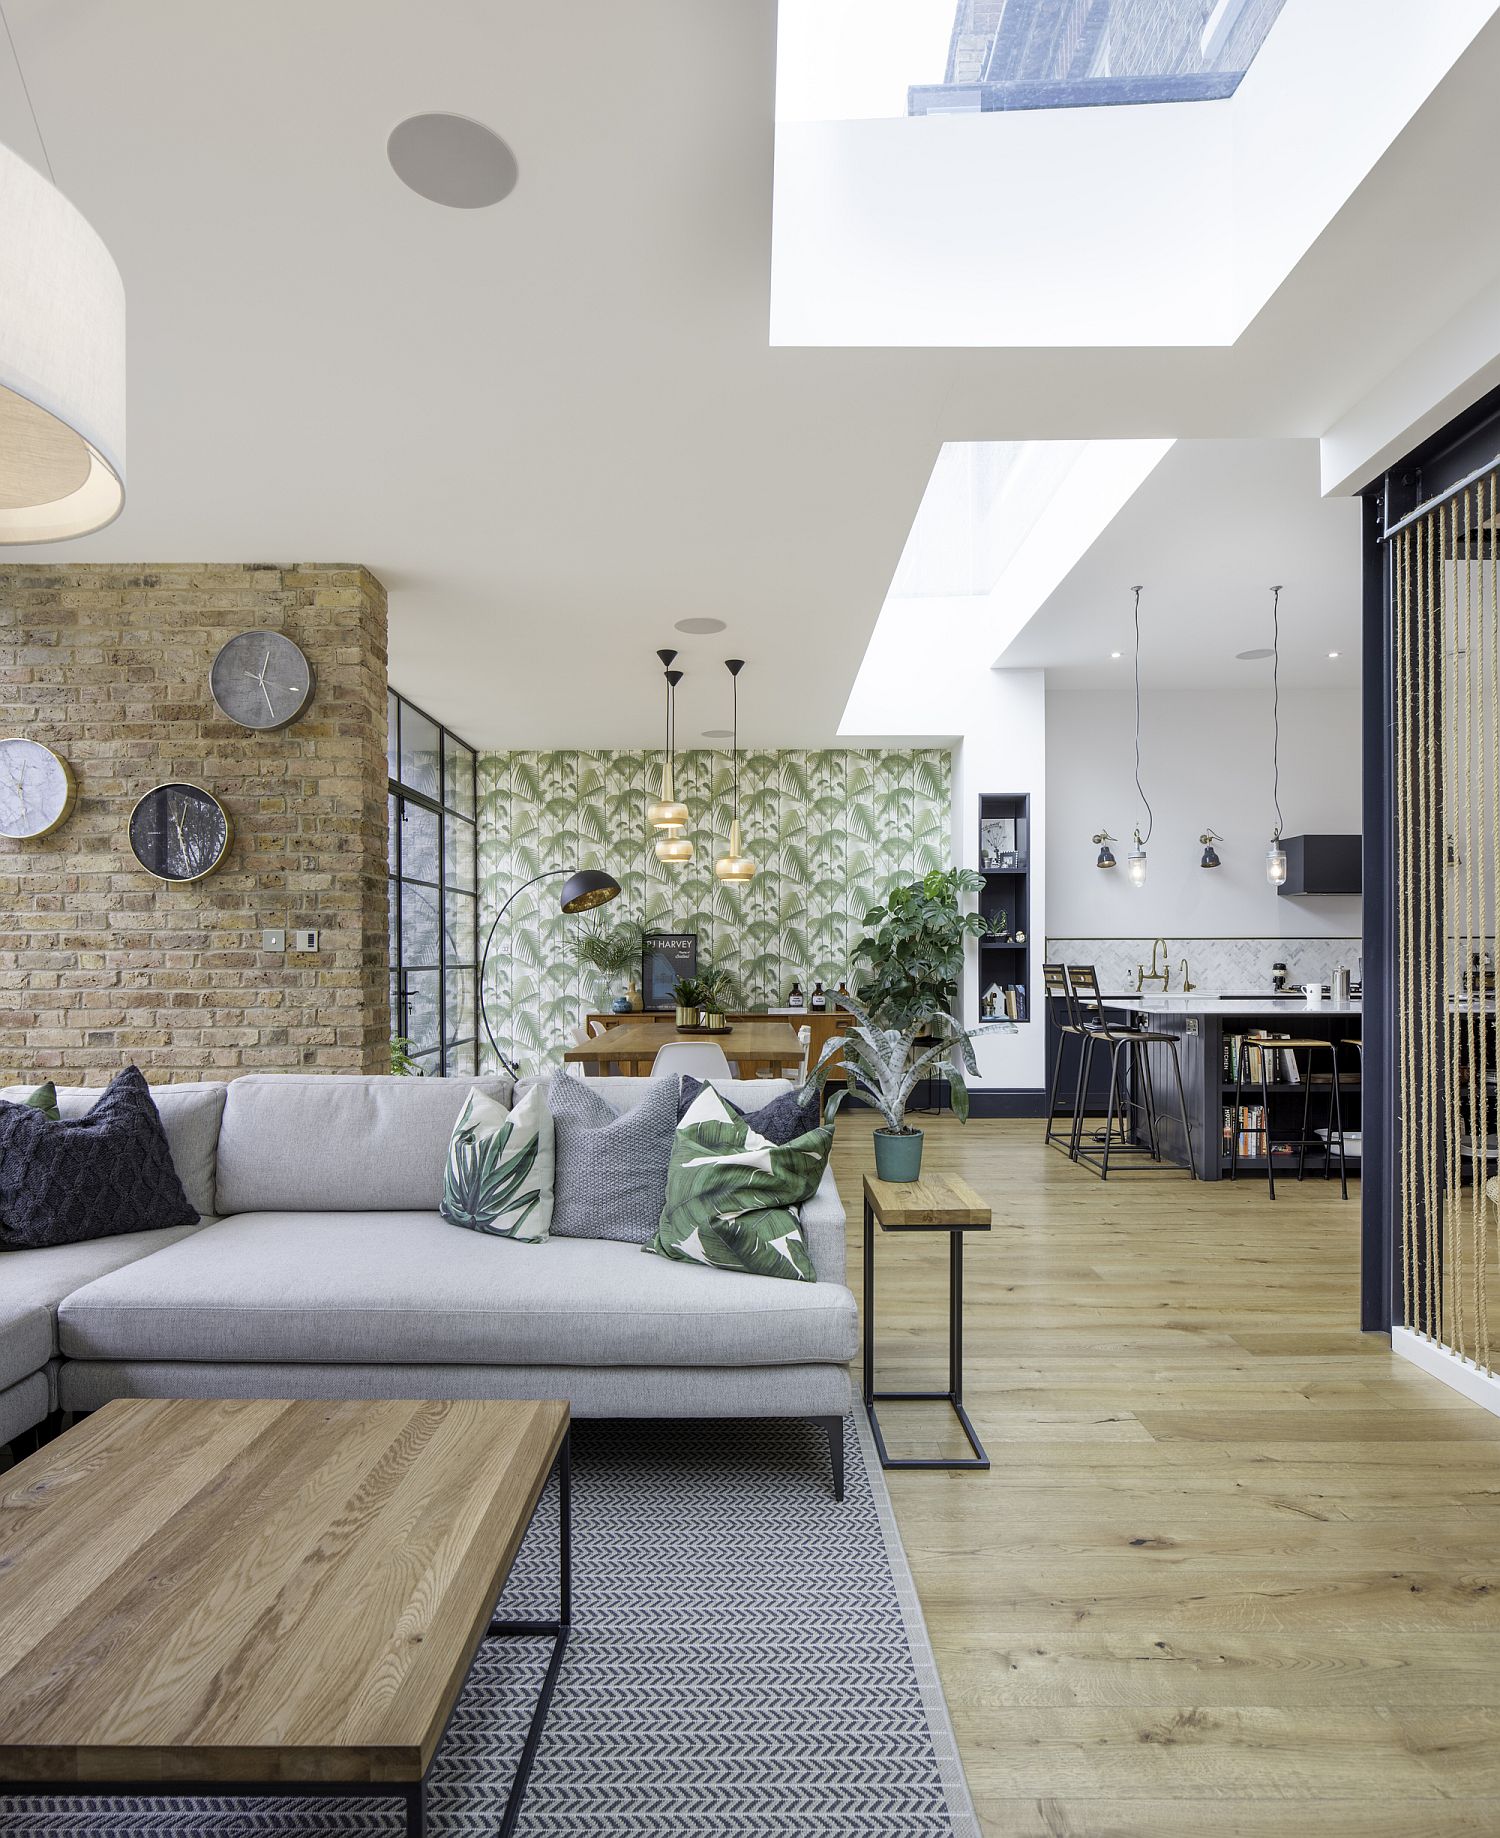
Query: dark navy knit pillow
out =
(88, 1177)
(781, 1121)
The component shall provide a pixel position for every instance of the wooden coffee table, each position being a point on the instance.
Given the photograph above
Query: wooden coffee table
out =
(225, 1597)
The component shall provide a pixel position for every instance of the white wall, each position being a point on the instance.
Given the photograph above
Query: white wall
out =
(1205, 760)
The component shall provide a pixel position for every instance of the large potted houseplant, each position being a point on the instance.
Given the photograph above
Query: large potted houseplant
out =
(615, 952)
(884, 1066)
(914, 945)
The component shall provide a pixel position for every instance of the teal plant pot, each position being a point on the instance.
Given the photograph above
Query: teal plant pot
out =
(898, 1158)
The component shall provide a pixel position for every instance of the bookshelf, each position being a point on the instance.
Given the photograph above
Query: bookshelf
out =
(1005, 960)
(1287, 1097)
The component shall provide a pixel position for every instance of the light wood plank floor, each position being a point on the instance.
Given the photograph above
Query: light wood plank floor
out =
(1235, 1570)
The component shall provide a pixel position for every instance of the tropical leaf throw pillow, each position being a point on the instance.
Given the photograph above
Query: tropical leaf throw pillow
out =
(44, 1099)
(732, 1196)
(499, 1174)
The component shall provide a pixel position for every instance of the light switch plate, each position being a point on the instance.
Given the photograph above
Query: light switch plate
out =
(273, 939)
(304, 940)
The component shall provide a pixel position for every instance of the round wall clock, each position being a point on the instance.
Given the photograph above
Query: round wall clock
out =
(261, 680)
(180, 832)
(37, 789)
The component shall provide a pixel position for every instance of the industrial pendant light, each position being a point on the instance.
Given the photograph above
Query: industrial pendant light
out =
(1210, 854)
(62, 361)
(667, 814)
(735, 866)
(1106, 854)
(1275, 854)
(1135, 862)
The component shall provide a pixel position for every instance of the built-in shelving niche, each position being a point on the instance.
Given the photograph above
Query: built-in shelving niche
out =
(1005, 959)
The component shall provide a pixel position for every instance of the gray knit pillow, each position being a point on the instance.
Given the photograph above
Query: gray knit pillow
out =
(611, 1172)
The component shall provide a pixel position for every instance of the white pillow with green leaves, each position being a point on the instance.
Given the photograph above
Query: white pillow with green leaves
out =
(499, 1176)
(732, 1195)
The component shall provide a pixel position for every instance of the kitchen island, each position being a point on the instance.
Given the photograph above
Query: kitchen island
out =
(1204, 1028)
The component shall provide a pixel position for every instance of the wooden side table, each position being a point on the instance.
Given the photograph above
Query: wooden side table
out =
(936, 1203)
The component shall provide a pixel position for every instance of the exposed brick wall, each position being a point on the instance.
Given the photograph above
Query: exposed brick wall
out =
(100, 965)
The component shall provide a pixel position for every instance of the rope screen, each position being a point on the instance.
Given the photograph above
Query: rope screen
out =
(1445, 594)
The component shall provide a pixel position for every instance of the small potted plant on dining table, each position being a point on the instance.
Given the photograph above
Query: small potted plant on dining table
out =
(687, 993)
(885, 1065)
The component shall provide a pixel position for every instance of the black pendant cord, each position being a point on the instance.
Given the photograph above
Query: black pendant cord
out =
(734, 744)
(1140, 789)
(1276, 706)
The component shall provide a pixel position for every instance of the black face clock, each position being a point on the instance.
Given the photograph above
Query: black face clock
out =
(180, 832)
(261, 680)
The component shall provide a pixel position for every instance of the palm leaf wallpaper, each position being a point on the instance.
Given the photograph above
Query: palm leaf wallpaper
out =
(833, 832)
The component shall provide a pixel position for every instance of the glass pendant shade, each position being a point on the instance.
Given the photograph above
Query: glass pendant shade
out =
(673, 848)
(62, 366)
(1135, 863)
(1276, 861)
(666, 812)
(736, 866)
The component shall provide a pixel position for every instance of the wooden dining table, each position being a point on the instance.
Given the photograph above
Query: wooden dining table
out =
(752, 1047)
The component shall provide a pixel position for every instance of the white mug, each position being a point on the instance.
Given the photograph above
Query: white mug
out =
(1314, 993)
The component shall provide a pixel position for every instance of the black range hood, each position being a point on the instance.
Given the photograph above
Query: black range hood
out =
(1321, 865)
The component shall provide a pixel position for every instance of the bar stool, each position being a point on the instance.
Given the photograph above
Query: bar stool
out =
(1127, 1047)
(1069, 1027)
(1268, 1044)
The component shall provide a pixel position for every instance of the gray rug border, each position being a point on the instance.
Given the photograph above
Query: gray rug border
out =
(929, 1684)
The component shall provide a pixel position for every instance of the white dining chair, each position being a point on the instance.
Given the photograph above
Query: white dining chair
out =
(703, 1059)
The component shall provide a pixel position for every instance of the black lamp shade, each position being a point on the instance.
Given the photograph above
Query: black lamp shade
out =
(589, 887)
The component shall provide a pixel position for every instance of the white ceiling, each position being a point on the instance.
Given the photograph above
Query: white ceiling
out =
(556, 427)
(1212, 529)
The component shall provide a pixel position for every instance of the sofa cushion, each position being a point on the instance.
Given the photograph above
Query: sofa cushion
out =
(381, 1287)
(189, 1114)
(25, 1338)
(335, 1142)
(611, 1172)
(499, 1174)
(780, 1120)
(42, 1277)
(94, 1176)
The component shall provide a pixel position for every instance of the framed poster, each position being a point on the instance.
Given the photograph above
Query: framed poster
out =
(666, 958)
(997, 837)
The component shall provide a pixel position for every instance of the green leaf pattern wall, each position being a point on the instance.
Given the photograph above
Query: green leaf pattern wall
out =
(832, 832)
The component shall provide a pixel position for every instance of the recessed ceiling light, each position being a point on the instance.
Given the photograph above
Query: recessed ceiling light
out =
(1333, 653)
(699, 625)
(1254, 657)
(1114, 653)
(717, 733)
(452, 160)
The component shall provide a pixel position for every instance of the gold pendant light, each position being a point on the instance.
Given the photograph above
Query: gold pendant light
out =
(667, 815)
(735, 867)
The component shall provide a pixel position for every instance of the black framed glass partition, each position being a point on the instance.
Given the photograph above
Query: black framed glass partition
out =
(434, 889)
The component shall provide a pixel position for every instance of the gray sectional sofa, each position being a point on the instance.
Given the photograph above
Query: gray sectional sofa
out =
(322, 1269)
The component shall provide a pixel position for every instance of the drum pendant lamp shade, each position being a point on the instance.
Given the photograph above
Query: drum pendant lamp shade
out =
(62, 365)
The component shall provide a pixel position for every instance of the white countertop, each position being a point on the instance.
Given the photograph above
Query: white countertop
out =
(1253, 1007)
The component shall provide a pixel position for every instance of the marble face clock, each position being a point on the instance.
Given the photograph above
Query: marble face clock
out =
(180, 832)
(37, 789)
(261, 680)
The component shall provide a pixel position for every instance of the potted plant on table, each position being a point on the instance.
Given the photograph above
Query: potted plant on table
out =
(614, 951)
(718, 991)
(885, 1064)
(688, 995)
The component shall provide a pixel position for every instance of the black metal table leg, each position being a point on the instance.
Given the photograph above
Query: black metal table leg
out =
(416, 1810)
(558, 1630)
(953, 1396)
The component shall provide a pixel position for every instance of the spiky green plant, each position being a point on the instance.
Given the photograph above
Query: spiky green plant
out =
(885, 1064)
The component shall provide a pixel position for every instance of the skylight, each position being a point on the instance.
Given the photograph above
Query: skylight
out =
(845, 60)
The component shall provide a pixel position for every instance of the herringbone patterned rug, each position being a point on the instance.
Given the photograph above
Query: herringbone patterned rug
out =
(748, 1661)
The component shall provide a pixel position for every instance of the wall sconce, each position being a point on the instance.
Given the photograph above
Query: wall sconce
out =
(1210, 853)
(1106, 854)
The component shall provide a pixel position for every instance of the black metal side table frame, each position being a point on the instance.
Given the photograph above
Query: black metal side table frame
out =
(953, 1396)
(413, 1794)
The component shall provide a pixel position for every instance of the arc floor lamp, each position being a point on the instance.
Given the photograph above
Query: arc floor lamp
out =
(583, 889)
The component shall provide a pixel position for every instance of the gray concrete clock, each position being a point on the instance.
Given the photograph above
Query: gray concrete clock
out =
(261, 680)
(37, 789)
(180, 832)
